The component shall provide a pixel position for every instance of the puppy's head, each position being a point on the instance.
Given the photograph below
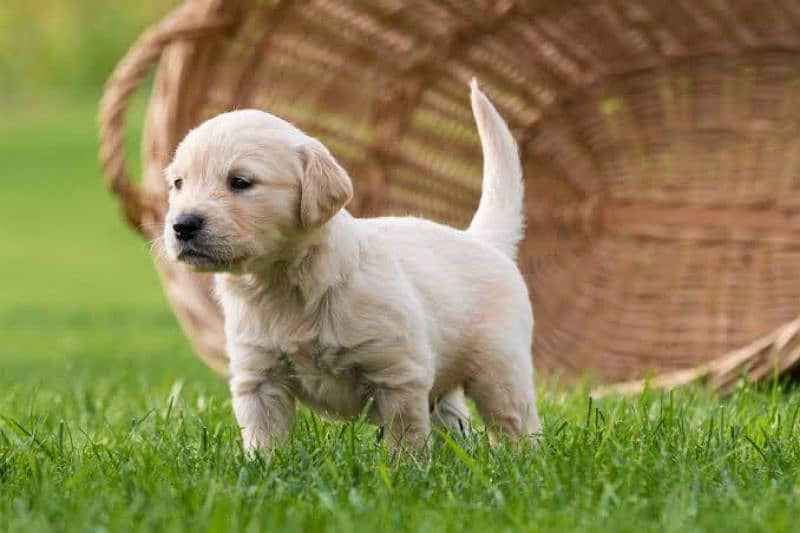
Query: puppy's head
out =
(244, 185)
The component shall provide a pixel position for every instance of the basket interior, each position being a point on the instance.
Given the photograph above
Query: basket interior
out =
(659, 142)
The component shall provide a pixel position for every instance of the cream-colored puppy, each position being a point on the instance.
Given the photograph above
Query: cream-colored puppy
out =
(334, 310)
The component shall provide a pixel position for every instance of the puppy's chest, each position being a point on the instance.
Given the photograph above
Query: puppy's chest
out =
(322, 370)
(325, 377)
(314, 358)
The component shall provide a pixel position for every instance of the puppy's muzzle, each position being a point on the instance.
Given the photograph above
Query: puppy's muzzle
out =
(186, 227)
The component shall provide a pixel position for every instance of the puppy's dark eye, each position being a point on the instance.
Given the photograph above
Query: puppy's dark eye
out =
(237, 183)
(178, 183)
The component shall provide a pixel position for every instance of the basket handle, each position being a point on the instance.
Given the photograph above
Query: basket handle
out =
(182, 23)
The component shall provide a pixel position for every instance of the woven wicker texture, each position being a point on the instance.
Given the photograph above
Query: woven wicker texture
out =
(659, 139)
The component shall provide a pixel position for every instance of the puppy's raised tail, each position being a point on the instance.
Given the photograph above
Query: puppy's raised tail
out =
(499, 219)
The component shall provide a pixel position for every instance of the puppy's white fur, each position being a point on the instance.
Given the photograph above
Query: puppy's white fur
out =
(333, 310)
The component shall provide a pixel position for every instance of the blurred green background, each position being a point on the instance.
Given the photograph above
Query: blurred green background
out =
(64, 49)
(77, 287)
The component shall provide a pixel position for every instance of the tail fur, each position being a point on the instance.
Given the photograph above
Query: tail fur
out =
(499, 219)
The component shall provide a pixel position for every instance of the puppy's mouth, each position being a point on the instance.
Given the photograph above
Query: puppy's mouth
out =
(206, 261)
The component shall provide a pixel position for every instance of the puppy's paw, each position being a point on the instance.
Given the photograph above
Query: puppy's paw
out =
(450, 413)
(255, 441)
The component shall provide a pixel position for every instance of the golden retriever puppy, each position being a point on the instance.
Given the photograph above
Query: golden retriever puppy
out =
(337, 311)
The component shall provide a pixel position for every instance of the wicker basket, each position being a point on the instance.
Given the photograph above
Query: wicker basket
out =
(659, 138)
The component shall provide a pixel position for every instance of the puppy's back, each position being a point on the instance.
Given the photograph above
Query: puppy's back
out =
(457, 276)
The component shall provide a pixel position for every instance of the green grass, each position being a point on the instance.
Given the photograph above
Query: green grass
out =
(109, 422)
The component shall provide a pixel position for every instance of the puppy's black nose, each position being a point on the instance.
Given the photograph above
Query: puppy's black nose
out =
(187, 226)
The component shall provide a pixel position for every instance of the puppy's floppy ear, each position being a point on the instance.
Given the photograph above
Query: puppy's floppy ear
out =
(325, 186)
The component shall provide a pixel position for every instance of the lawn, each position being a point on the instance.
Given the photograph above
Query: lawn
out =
(109, 422)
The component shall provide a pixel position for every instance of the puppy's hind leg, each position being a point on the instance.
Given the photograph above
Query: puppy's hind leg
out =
(450, 412)
(502, 388)
(507, 404)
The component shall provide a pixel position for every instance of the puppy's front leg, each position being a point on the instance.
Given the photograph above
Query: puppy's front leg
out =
(404, 413)
(262, 401)
(400, 374)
